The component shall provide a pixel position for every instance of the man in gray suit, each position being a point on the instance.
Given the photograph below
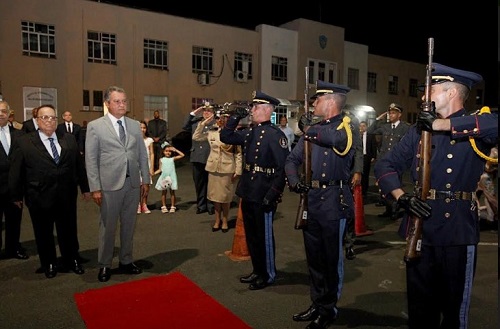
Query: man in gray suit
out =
(116, 159)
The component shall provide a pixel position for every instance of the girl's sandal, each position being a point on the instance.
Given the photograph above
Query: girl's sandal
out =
(172, 209)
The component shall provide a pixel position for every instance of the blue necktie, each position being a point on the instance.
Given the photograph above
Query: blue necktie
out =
(3, 139)
(121, 131)
(54, 150)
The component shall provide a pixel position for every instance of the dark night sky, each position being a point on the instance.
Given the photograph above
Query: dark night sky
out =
(464, 37)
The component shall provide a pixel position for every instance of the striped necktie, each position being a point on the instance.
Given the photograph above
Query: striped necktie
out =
(121, 131)
(54, 150)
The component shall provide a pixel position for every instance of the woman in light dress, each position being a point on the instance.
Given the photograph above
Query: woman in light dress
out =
(224, 166)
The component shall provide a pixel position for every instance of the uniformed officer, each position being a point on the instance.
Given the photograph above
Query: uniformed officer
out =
(330, 199)
(439, 283)
(391, 133)
(265, 148)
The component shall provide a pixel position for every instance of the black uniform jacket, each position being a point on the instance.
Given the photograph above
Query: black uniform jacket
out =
(265, 148)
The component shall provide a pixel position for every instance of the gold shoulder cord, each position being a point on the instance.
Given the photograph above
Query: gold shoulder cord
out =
(345, 125)
(484, 109)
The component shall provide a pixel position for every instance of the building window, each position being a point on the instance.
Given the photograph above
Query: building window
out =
(156, 103)
(197, 102)
(98, 100)
(411, 117)
(353, 78)
(101, 47)
(39, 40)
(393, 85)
(279, 69)
(413, 88)
(372, 82)
(242, 66)
(155, 54)
(321, 70)
(86, 100)
(202, 60)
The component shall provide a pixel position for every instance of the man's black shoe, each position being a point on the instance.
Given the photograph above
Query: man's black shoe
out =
(19, 254)
(200, 211)
(129, 268)
(76, 267)
(321, 322)
(249, 278)
(308, 315)
(104, 274)
(211, 211)
(349, 253)
(258, 284)
(51, 271)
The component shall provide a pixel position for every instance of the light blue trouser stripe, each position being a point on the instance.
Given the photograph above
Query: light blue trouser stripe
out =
(340, 266)
(469, 277)
(268, 226)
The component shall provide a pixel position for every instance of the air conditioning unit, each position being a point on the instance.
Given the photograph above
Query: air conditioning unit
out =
(203, 79)
(241, 76)
(86, 108)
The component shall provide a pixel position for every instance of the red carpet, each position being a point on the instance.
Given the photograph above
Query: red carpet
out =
(167, 302)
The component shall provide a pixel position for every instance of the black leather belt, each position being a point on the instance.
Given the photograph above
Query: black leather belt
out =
(324, 184)
(457, 195)
(249, 167)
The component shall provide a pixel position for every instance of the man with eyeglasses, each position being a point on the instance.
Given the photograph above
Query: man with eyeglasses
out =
(118, 172)
(46, 171)
(12, 213)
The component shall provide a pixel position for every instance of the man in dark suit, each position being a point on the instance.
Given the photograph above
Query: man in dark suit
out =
(199, 153)
(390, 126)
(157, 130)
(118, 171)
(46, 171)
(13, 214)
(369, 154)
(68, 126)
(31, 124)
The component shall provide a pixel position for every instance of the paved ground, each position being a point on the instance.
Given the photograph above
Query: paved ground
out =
(373, 295)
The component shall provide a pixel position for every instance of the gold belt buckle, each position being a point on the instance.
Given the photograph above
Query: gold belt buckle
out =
(432, 194)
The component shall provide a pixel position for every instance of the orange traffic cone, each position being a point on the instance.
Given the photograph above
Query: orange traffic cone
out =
(240, 249)
(359, 213)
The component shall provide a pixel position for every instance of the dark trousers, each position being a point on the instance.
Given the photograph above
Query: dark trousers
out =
(365, 177)
(260, 239)
(158, 154)
(12, 215)
(200, 178)
(439, 287)
(324, 253)
(43, 221)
